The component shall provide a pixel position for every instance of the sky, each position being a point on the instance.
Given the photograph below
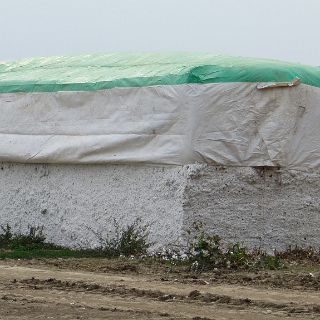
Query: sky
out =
(278, 29)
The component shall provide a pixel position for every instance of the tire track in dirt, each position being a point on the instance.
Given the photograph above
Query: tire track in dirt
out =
(15, 306)
(283, 296)
(141, 306)
(143, 296)
(194, 296)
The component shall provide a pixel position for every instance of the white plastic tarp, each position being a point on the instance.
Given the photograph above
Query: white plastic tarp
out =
(221, 123)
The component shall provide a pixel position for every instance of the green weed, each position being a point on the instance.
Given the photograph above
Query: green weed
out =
(129, 241)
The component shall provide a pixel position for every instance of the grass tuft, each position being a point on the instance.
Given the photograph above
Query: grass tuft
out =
(206, 251)
(127, 242)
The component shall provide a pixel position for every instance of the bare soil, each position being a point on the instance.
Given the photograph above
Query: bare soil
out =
(124, 289)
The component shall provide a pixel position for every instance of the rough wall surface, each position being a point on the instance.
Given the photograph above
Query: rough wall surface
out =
(74, 203)
(259, 207)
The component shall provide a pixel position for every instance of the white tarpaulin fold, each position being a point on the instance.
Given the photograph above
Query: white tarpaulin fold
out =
(218, 123)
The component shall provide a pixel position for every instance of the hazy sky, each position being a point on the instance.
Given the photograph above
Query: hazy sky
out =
(281, 29)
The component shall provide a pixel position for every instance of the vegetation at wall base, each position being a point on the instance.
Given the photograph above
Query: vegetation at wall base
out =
(128, 242)
(205, 253)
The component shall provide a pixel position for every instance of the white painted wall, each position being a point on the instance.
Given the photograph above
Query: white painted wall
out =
(264, 208)
(257, 207)
(69, 200)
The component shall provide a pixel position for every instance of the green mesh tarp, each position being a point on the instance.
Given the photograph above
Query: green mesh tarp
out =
(104, 71)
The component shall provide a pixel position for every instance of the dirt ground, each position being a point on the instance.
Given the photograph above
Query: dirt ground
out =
(104, 289)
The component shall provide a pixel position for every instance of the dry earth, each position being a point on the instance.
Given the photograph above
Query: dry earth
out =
(104, 289)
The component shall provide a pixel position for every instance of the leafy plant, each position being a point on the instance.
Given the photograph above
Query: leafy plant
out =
(237, 256)
(207, 252)
(6, 236)
(33, 239)
(129, 241)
